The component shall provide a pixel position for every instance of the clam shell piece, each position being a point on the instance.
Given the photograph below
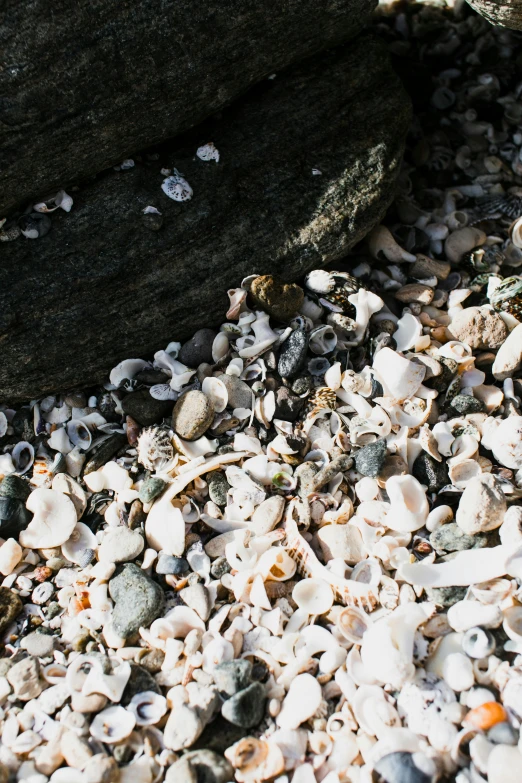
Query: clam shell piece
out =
(81, 538)
(126, 370)
(373, 713)
(79, 434)
(255, 760)
(409, 507)
(22, 456)
(314, 596)
(217, 393)
(345, 591)
(147, 707)
(387, 646)
(353, 623)
(112, 725)
(400, 377)
(301, 702)
(464, 570)
(53, 522)
(165, 528)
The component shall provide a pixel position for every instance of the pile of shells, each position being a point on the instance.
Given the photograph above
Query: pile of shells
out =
(291, 549)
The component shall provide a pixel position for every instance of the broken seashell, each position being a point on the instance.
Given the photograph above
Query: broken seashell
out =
(409, 507)
(400, 377)
(217, 393)
(148, 707)
(53, 522)
(345, 591)
(113, 724)
(79, 434)
(165, 528)
(81, 539)
(382, 245)
(176, 187)
(300, 703)
(313, 596)
(464, 570)
(23, 457)
(353, 623)
(126, 370)
(255, 760)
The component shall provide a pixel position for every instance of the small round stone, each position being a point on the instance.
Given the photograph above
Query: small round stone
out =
(370, 459)
(192, 415)
(120, 544)
(138, 600)
(399, 767)
(219, 567)
(429, 472)
(198, 350)
(218, 487)
(151, 488)
(168, 564)
(239, 392)
(14, 517)
(140, 680)
(479, 327)
(302, 385)
(450, 538)
(292, 355)
(247, 707)
(38, 644)
(482, 505)
(465, 403)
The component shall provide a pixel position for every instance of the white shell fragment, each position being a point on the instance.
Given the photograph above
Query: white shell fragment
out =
(177, 188)
(53, 522)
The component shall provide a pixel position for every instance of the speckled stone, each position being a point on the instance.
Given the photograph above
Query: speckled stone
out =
(465, 403)
(370, 459)
(138, 600)
(239, 392)
(479, 327)
(446, 596)
(218, 487)
(168, 564)
(192, 415)
(429, 472)
(140, 680)
(292, 355)
(450, 538)
(288, 405)
(200, 766)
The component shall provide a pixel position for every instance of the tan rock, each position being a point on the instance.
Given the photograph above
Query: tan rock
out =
(479, 327)
(425, 267)
(75, 750)
(25, 678)
(10, 556)
(267, 515)
(415, 292)
(482, 505)
(102, 769)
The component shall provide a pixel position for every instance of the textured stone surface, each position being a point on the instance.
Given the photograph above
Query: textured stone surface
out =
(130, 75)
(259, 209)
(507, 13)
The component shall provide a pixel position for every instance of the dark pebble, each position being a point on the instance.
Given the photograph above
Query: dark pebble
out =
(22, 423)
(399, 767)
(442, 381)
(218, 487)
(198, 349)
(288, 406)
(370, 459)
(279, 299)
(292, 355)
(35, 225)
(429, 472)
(152, 377)
(104, 452)
(10, 607)
(247, 707)
(15, 487)
(144, 408)
(231, 677)
(220, 735)
(140, 680)
(465, 403)
(137, 516)
(502, 734)
(14, 517)
(450, 538)
(168, 564)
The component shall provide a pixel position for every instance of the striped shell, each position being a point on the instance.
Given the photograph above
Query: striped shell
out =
(345, 591)
(508, 296)
(155, 448)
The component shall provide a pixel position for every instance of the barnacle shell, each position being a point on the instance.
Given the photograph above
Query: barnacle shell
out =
(176, 187)
(154, 448)
(255, 760)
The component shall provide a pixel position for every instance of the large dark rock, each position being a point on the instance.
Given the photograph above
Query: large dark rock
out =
(101, 286)
(86, 84)
(507, 13)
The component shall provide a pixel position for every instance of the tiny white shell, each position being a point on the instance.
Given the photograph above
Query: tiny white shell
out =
(314, 596)
(79, 434)
(81, 538)
(176, 187)
(112, 725)
(216, 391)
(147, 707)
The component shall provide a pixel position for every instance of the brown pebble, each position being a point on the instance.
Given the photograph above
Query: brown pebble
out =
(415, 292)
(425, 267)
(133, 430)
(42, 573)
(137, 516)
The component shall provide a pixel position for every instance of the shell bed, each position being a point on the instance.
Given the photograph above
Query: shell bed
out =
(290, 549)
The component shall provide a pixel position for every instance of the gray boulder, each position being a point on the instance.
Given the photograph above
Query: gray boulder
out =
(101, 286)
(84, 85)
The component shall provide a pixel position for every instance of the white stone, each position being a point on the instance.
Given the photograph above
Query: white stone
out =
(10, 556)
(53, 522)
(482, 505)
(505, 765)
(509, 357)
(120, 544)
